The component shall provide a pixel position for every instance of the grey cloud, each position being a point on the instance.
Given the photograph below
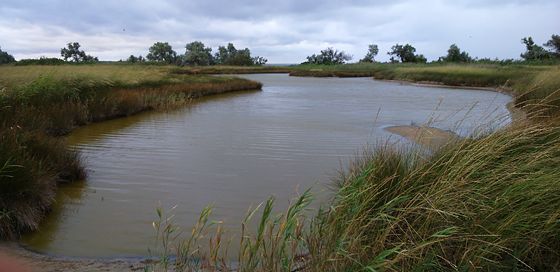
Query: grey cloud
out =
(282, 31)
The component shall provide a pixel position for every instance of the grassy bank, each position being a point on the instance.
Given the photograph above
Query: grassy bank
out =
(489, 203)
(223, 69)
(38, 103)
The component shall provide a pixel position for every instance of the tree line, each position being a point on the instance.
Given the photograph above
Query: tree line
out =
(407, 54)
(198, 54)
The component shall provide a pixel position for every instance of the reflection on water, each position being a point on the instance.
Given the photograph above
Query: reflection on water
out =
(67, 203)
(234, 151)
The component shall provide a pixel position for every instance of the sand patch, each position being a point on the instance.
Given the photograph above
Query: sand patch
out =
(429, 137)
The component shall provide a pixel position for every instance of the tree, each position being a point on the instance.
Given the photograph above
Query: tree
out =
(72, 51)
(373, 50)
(134, 59)
(162, 52)
(554, 45)
(420, 59)
(404, 52)
(259, 61)
(329, 56)
(232, 56)
(222, 56)
(198, 54)
(241, 57)
(5, 57)
(534, 51)
(454, 54)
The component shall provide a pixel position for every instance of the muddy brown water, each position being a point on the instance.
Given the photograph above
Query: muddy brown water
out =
(234, 151)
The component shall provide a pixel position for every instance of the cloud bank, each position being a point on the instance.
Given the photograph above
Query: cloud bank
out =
(282, 31)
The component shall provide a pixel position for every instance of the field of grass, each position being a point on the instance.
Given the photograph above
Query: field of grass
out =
(15, 76)
(38, 103)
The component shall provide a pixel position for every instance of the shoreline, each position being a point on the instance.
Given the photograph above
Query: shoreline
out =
(432, 137)
(517, 114)
(429, 137)
(12, 253)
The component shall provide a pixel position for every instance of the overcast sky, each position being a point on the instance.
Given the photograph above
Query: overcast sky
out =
(284, 31)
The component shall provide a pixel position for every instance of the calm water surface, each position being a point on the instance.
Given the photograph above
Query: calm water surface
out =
(234, 151)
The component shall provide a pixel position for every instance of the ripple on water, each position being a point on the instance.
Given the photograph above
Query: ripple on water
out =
(234, 151)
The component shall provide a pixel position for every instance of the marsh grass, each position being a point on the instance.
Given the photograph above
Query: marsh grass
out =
(276, 244)
(489, 203)
(15, 76)
(38, 103)
(224, 69)
(33, 165)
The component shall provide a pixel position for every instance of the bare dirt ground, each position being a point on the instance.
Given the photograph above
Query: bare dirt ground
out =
(14, 258)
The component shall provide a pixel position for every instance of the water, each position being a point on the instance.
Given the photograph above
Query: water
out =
(234, 151)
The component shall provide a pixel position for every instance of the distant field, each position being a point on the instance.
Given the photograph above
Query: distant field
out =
(12, 76)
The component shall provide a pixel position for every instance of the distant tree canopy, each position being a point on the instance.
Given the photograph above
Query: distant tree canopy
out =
(454, 54)
(41, 61)
(72, 51)
(162, 52)
(373, 50)
(405, 53)
(232, 56)
(534, 51)
(554, 45)
(135, 59)
(198, 54)
(5, 57)
(328, 56)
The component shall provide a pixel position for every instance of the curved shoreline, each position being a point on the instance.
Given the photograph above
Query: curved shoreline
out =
(433, 137)
(15, 252)
(426, 136)
(517, 114)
